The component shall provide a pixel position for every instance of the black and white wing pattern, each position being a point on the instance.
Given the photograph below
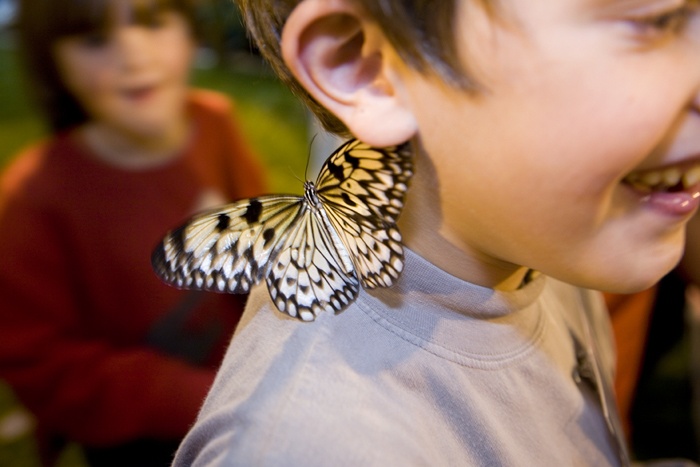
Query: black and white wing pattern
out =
(313, 251)
(362, 190)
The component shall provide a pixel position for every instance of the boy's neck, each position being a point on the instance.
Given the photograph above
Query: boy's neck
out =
(465, 265)
(421, 228)
(135, 152)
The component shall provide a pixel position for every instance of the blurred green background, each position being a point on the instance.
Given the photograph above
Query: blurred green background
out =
(273, 120)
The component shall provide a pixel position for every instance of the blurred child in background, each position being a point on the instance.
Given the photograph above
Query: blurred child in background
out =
(93, 344)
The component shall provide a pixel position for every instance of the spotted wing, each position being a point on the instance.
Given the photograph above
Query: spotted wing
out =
(362, 190)
(232, 248)
(309, 275)
(228, 249)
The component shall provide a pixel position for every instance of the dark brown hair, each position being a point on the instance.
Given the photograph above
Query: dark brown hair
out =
(421, 31)
(43, 22)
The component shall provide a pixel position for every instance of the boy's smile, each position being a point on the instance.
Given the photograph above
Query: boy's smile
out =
(674, 189)
(140, 93)
(580, 156)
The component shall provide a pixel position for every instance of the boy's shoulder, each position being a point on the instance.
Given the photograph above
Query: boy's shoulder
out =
(205, 101)
(38, 167)
(290, 390)
(375, 384)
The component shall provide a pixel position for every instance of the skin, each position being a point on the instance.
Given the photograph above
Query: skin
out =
(528, 172)
(133, 81)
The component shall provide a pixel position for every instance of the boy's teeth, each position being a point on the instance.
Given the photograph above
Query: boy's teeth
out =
(671, 176)
(660, 180)
(692, 176)
(651, 178)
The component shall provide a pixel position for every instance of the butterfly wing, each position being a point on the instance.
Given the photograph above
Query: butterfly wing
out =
(308, 276)
(375, 250)
(232, 248)
(227, 249)
(362, 189)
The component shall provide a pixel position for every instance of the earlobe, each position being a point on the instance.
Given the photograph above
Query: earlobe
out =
(341, 59)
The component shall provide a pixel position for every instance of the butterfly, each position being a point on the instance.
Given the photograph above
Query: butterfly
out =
(315, 250)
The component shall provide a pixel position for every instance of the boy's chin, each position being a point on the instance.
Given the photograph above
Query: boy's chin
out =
(634, 277)
(628, 287)
(150, 129)
(620, 272)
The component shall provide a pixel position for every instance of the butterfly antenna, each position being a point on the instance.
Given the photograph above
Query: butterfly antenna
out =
(308, 156)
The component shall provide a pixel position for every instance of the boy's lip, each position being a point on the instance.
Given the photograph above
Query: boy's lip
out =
(139, 92)
(672, 189)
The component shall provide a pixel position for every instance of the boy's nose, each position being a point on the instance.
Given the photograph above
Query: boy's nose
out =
(132, 48)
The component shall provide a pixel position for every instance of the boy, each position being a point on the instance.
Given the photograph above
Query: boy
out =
(558, 137)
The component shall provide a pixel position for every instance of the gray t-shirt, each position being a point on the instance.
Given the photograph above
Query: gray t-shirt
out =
(434, 371)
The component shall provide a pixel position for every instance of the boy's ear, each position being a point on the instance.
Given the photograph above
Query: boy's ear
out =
(343, 61)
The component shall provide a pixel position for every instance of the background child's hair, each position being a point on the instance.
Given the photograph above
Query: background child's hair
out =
(43, 22)
(421, 31)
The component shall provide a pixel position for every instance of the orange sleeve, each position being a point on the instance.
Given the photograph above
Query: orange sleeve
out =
(77, 384)
(630, 315)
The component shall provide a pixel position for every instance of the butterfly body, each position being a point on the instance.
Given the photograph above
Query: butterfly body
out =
(314, 251)
(316, 206)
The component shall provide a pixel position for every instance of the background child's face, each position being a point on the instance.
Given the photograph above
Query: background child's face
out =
(132, 77)
(579, 95)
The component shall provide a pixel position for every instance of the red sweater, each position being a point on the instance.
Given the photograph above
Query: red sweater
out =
(92, 342)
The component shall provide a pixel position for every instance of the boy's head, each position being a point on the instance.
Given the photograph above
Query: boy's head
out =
(45, 26)
(576, 152)
(421, 31)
